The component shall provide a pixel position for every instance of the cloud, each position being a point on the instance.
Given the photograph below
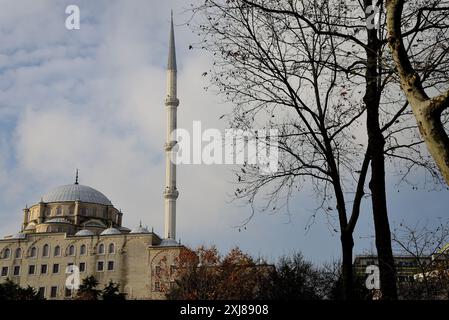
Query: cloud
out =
(93, 99)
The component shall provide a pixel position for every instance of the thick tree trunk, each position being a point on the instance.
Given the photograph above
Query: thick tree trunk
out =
(376, 142)
(347, 244)
(427, 111)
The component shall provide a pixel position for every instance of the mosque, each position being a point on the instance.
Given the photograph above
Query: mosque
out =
(77, 226)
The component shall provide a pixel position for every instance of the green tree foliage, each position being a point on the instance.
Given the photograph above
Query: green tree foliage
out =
(12, 291)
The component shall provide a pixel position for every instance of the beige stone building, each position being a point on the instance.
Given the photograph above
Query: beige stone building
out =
(75, 229)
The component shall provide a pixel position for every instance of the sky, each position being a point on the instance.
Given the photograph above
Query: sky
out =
(93, 99)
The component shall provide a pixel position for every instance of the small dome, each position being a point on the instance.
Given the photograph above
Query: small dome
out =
(110, 231)
(19, 235)
(84, 233)
(169, 243)
(95, 224)
(73, 192)
(59, 220)
(140, 229)
(124, 229)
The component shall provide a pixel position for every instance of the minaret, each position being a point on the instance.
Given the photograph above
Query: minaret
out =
(171, 103)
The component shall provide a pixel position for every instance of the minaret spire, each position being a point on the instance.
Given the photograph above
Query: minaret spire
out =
(171, 102)
(76, 177)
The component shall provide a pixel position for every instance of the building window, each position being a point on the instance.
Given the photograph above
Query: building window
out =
(46, 250)
(110, 265)
(53, 292)
(101, 249)
(158, 270)
(43, 269)
(32, 269)
(57, 252)
(111, 248)
(5, 271)
(84, 211)
(71, 251)
(56, 268)
(16, 271)
(100, 266)
(157, 286)
(58, 211)
(6, 253)
(83, 249)
(33, 252)
(18, 254)
(172, 270)
(68, 293)
(41, 292)
(82, 266)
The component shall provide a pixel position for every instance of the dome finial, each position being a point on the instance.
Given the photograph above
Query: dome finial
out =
(76, 177)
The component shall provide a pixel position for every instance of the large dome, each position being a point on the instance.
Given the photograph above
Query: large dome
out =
(73, 192)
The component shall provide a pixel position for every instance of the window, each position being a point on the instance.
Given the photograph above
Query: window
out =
(101, 249)
(83, 249)
(58, 211)
(110, 265)
(18, 254)
(6, 253)
(83, 211)
(157, 286)
(158, 270)
(53, 292)
(56, 268)
(33, 252)
(68, 293)
(16, 270)
(82, 266)
(111, 248)
(57, 252)
(44, 269)
(46, 251)
(41, 292)
(5, 271)
(71, 251)
(32, 269)
(100, 266)
(172, 270)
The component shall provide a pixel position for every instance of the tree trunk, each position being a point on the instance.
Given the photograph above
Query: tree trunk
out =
(347, 244)
(376, 142)
(427, 111)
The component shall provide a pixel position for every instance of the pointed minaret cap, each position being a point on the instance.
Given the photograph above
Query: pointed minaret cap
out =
(76, 177)
(171, 49)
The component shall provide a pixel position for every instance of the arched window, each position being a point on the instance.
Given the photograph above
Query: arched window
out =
(71, 251)
(101, 249)
(83, 249)
(111, 248)
(18, 253)
(45, 250)
(33, 252)
(6, 253)
(58, 211)
(57, 252)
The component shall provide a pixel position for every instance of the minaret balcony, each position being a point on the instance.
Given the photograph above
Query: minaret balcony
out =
(171, 193)
(170, 101)
(168, 146)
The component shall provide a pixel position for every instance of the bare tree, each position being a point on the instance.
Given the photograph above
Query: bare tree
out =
(429, 247)
(303, 67)
(428, 111)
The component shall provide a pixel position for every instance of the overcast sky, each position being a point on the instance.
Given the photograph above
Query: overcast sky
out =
(93, 99)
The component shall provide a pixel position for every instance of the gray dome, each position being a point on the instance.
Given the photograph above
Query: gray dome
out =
(73, 192)
(110, 231)
(95, 224)
(84, 233)
(58, 220)
(19, 235)
(140, 229)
